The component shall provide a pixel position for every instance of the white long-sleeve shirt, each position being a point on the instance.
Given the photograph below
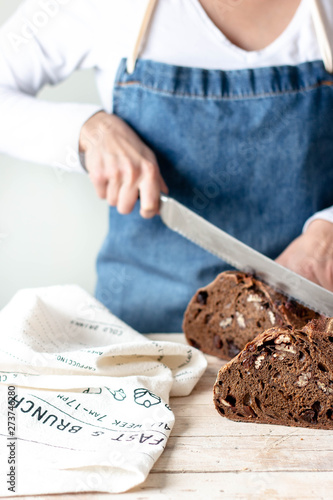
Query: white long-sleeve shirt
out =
(46, 40)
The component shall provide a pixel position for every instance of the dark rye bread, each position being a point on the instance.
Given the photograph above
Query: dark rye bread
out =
(228, 313)
(284, 376)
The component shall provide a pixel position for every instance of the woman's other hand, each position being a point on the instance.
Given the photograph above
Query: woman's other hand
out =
(120, 165)
(311, 254)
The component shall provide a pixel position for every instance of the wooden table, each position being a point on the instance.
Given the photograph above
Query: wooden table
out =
(210, 457)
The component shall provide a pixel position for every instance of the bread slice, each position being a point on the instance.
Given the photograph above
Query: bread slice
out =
(224, 316)
(284, 376)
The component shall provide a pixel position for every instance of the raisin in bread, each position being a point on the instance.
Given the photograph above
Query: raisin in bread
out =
(284, 376)
(222, 317)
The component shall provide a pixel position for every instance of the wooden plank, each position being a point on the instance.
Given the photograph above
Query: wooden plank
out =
(223, 486)
(199, 420)
(245, 486)
(230, 453)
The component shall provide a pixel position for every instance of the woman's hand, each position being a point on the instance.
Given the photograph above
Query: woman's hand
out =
(311, 254)
(120, 165)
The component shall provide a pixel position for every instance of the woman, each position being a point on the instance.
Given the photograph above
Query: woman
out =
(227, 108)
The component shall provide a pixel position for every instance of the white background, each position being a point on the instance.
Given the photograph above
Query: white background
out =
(51, 223)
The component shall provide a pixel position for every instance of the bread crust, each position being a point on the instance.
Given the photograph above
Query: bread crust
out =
(224, 316)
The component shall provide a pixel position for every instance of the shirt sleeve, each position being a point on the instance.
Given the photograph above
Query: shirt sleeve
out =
(326, 214)
(43, 43)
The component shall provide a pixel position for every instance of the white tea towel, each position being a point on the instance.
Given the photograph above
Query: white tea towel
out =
(83, 397)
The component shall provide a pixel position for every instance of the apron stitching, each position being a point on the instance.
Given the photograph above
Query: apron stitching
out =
(324, 83)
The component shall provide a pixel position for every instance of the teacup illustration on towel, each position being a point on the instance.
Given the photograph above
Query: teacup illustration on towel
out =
(118, 395)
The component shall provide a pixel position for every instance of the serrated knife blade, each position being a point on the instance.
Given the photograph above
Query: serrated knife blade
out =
(244, 258)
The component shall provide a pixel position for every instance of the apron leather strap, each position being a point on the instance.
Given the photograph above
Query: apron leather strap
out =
(131, 60)
(322, 36)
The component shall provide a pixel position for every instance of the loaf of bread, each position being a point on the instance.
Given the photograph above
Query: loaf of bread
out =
(228, 313)
(284, 376)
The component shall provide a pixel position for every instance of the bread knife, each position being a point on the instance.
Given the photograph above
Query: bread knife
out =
(244, 258)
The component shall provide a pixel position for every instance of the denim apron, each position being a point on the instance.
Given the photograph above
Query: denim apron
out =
(249, 150)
